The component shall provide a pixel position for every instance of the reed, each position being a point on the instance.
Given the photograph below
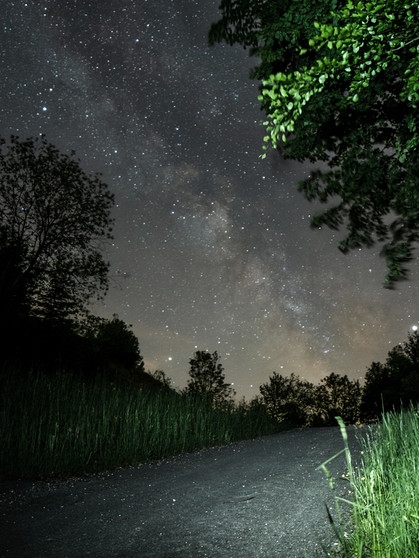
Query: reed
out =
(61, 425)
(385, 487)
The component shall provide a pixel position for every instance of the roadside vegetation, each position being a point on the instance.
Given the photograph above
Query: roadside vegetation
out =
(75, 398)
(73, 420)
(67, 421)
(384, 509)
(61, 425)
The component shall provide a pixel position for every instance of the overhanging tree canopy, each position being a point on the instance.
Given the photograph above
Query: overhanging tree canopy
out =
(53, 218)
(339, 84)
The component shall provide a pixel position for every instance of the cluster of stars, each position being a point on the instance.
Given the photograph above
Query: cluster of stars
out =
(212, 248)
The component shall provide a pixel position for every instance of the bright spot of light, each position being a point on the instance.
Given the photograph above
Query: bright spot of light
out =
(414, 328)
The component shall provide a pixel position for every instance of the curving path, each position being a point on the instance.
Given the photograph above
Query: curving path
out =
(258, 498)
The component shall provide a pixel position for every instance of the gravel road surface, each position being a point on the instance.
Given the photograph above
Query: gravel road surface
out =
(253, 499)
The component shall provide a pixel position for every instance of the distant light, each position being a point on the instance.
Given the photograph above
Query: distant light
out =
(414, 328)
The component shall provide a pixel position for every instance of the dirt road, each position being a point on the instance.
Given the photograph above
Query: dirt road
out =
(253, 499)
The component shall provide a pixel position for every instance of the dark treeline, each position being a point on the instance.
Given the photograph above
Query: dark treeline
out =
(86, 349)
(109, 349)
(391, 386)
(53, 220)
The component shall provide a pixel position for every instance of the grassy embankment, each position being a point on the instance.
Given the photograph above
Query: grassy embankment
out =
(385, 489)
(61, 426)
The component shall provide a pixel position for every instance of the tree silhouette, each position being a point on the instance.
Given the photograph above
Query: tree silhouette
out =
(53, 218)
(339, 396)
(117, 345)
(394, 384)
(298, 402)
(208, 379)
(162, 379)
(289, 399)
(14, 286)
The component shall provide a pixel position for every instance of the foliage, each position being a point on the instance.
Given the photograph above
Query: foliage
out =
(164, 381)
(361, 42)
(117, 345)
(273, 30)
(208, 379)
(53, 217)
(62, 425)
(384, 505)
(340, 85)
(394, 384)
(288, 399)
(338, 396)
(13, 287)
(90, 347)
(239, 24)
(291, 400)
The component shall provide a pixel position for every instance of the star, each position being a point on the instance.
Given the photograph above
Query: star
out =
(212, 247)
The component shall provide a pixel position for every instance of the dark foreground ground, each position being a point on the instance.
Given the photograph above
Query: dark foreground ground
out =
(260, 498)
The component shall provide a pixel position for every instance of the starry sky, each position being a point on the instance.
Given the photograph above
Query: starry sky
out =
(212, 246)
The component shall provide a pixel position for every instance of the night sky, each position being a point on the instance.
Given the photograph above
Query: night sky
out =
(212, 249)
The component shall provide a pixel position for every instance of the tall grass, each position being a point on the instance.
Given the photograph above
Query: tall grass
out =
(386, 490)
(59, 426)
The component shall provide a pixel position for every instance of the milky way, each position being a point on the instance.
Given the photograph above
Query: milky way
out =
(212, 248)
